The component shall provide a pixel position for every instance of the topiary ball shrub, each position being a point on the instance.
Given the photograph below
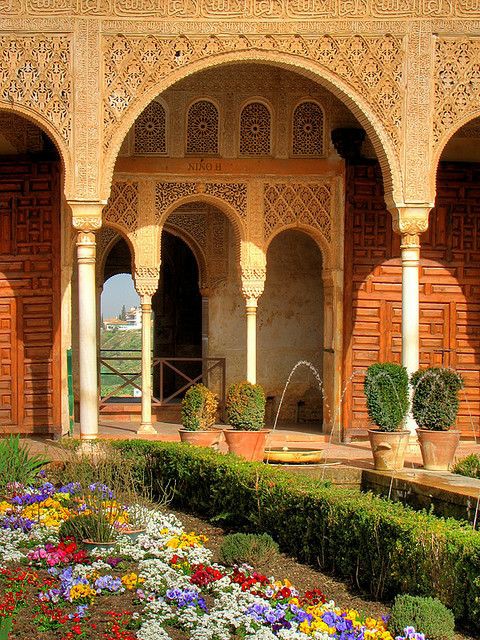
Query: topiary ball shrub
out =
(386, 391)
(199, 408)
(427, 615)
(246, 406)
(252, 548)
(435, 398)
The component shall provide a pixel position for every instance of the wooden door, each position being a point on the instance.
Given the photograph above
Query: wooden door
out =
(8, 362)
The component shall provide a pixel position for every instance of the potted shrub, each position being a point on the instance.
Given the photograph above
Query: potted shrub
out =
(199, 410)
(245, 408)
(386, 391)
(435, 408)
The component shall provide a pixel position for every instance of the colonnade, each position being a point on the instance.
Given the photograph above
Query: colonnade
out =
(408, 221)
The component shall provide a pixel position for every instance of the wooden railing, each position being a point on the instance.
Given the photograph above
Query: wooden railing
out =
(211, 372)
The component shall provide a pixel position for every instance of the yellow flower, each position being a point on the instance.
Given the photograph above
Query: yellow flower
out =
(131, 581)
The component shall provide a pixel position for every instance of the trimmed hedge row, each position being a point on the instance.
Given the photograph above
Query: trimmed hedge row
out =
(385, 547)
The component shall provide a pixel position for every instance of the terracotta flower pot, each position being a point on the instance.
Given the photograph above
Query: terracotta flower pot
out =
(388, 449)
(200, 438)
(133, 534)
(247, 444)
(438, 448)
(90, 544)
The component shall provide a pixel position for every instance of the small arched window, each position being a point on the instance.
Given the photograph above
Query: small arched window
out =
(150, 130)
(202, 128)
(308, 129)
(255, 130)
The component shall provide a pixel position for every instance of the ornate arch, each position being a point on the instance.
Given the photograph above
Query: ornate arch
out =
(194, 247)
(256, 128)
(45, 125)
(315, 60)
(295, 126)
(316, 236)
(106, 244)
(444, 140)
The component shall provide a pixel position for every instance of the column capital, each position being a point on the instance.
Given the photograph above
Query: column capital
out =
(253, 283)
(410, 220)
(86, 216)
(146, 280)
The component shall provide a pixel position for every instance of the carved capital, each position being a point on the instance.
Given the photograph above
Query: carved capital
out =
(86, 216)
(410, 221)
(146, 280)
(253, 283)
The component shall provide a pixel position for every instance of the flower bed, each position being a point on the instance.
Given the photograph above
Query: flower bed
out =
(161, 585)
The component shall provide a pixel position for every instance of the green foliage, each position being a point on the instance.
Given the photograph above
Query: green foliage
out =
(468, 466)
(95, 526)
(199, 408)
(386, 391)
(385, 547)
(252, 548)
(17, 464)
(435, 397)
(428, 615)
(246, 406)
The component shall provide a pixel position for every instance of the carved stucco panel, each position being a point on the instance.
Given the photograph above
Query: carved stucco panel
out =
(35, 72)
(371, 65)
(233, 10)
(457, 85)
(307, 204)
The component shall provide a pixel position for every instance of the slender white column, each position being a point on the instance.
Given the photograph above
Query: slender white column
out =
(146, 425)
(410, 249)
(251, 308)
(87, 318)
(410, 252)
(204, 336)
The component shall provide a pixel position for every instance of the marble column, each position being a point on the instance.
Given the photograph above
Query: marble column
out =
(146, 283)
(86, 219)
(410, 222)
(253, 283)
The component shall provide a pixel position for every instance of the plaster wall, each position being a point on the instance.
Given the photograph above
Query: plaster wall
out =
(290, 325)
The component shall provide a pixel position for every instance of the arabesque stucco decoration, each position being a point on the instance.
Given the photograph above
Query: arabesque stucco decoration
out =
(457, 87)
(35, 72)
(275, 10)
(372, 65)
(302, 204)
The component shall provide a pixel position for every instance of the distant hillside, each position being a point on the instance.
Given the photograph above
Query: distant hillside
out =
(121, 339)
(123, 342)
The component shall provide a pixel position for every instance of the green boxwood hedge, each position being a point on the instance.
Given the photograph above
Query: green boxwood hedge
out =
(384, 547)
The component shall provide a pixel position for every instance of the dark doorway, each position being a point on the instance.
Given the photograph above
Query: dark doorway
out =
(177, 308)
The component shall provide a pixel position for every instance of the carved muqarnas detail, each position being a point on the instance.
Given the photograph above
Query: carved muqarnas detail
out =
(307, 126)
(150, 130)
(457, 86)
(35, 72)
(122, 207)
(306, 204)
(255, 125)
(202, 128)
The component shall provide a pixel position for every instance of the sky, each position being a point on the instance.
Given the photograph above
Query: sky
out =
(118, 291)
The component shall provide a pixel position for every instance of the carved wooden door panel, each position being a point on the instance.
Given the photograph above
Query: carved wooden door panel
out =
(435, 335)
(8, 362)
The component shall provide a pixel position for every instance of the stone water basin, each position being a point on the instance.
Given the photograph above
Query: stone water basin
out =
(286, 455)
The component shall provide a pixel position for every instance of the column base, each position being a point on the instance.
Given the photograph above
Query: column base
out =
(147, 429)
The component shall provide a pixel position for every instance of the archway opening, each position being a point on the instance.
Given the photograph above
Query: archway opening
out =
(33, 378)
(177, 308)
(450, 264)
(120, 326)
(291, 328)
